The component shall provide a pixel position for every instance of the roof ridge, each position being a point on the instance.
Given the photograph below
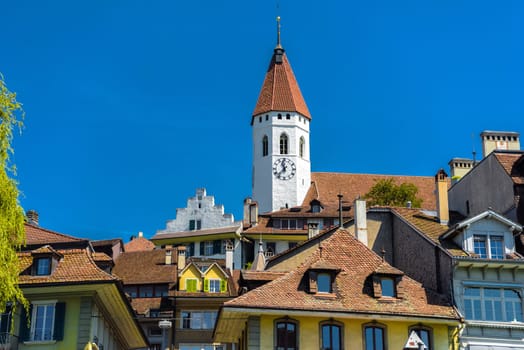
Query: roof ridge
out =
(54, 232)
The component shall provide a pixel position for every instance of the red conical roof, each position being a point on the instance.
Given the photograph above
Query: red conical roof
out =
(280, 91)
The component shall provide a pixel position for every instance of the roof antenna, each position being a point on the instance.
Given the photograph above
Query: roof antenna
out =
(474, 152)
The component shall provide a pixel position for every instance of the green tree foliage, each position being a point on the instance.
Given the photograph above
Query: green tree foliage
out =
(12, 233)
(386, 192)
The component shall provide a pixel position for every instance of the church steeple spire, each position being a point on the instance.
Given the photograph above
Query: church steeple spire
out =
(280, 91)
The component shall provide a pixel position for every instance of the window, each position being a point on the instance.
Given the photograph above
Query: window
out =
(324, 282)
(331, 336)
(195, 225)
(47, 322)
(301, 147)
(43, 266)
(374, 337)
(388, 287)
(286, 335)
(191, 284)
(493, 304)
(265, 146)
(279, 116)
(425, 334)
(214, 286)
(145, 292)
(288, 116)
(198, 319)
(283, 144)
(208, 248)
(131, 291)
(489, 246)
(271, 247)
(5, 325)
(291, 224)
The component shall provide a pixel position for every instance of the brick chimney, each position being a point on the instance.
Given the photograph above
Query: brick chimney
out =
(361, 224)
(441, 184)
(181, 250)
(32, 217)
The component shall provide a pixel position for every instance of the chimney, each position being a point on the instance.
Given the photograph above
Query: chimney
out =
(260, 260)
(361, 225)
(340, 219)
(229, 255)
(169, 254)
(442, 197)
(250, 212)
(32, 217)
(312, 229)
(181, 250)
(140, 234)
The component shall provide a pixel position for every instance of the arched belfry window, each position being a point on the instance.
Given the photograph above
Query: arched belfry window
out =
(283, 144)
(302, 147)
(265, 146)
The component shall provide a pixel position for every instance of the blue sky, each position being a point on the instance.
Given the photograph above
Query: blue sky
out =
(132, 105)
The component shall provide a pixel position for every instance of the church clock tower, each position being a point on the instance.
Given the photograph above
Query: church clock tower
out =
(280, 123)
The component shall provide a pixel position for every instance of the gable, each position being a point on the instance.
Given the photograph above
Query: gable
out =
(214, 272)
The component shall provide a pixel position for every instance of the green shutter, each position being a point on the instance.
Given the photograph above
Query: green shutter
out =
(206, 285)
(58, 333)
(24, 324)
(217, 246)
(191, 285)
(223, 286)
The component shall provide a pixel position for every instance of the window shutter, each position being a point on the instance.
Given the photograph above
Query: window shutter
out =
(223, 286)
(217, 245)
(191, 225)
(24, 326)
(191, 250)
(202, 248)
(58, 333)
(4, 322)
(206, 285)
(191, 285)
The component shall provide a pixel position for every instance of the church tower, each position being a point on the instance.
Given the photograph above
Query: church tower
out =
(280, 123)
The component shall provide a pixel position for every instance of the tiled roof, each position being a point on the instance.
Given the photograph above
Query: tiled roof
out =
(144, 267)
(509, 160)
(430, 227)
(76, 265)
(196, 233)
(280, 91)
(326, 186)
(353, 290)
(104, 242)
(143, 305)
(101, 257)
(37, 235)
(248, 275)
(139, 244)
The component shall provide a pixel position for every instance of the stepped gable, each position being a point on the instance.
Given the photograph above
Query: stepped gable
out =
(325, 187)
(353, 291)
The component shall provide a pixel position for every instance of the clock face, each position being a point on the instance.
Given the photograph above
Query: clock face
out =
(284, 168)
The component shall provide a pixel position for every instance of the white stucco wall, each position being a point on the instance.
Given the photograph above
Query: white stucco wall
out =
(270, 192)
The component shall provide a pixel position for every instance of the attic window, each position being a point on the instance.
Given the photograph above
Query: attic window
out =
(387, 284)
(42, 266)
(321, 280)
(324, 283)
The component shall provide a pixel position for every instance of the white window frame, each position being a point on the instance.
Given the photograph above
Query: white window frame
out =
(214, 282)
(488, 239)
(36, 305)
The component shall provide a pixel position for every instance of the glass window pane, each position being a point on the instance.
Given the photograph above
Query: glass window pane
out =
(477, 310)
(388, 288)
(496, 244)
(324, 283)
(336, 340)
(490, 292)
(497, 308)
(472, 292)
(479, 246)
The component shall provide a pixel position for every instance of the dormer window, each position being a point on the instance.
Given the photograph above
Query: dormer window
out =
(324, 282)
(489, 246)
(387, 284)
(42, 266)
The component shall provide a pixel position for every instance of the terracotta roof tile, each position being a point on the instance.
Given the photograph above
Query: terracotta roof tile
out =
(143, 305)
(101, 257)
(326, 187)
(280, 91)
(144, 267)
(353, 286)
(76, 265)
(510, 162)
(139, 244)
(37, 235)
